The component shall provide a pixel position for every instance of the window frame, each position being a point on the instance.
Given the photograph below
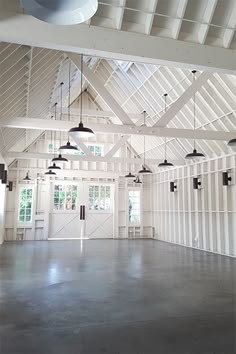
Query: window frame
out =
(25, 223)
(63, 211)
(101, 211)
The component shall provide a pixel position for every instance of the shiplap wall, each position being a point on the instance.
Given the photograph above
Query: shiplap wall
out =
(205, 218)
(2, 211)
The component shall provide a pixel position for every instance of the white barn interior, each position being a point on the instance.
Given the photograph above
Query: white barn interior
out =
(142, 237)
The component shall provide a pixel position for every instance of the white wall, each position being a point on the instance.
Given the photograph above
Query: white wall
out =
(2, 211)
(205, 218)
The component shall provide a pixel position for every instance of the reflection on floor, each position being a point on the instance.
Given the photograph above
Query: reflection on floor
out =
(110, 296)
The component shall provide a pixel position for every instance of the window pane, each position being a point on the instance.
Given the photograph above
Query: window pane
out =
(100, 198)
(25, 205)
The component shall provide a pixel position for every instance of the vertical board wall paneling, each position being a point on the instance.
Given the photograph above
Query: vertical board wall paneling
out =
(204, 218)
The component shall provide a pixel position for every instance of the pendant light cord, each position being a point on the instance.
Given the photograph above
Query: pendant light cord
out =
(61, 108)
(69, 95)
(165, 96)
(144, 140)
(194, 111)
(55, 130)
(81, 88)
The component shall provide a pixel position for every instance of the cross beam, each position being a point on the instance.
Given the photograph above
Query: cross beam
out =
(183, 99)
(113, 44)
(115, 160)
(46, 124)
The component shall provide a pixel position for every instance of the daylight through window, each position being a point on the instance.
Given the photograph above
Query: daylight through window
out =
(99, 197)
(25, 207)
(65, 197)
(134, 207)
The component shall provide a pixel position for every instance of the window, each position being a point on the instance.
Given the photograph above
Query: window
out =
(96, 150)
(65, 197)
(25, 208)
(134, 207)
(99, 197)
(53, 147)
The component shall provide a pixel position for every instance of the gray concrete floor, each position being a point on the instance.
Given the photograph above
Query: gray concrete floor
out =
(126, 297)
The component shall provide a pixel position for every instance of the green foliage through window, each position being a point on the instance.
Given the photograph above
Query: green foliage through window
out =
(26, 205)
(99, 197)
(65, 197)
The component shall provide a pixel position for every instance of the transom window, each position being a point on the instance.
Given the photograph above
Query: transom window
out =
(96, 150)
(65, 197)
(134, 207)
(99, 197)
(26, 203)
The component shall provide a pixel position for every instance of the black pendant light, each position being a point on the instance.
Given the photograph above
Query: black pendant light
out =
(130, 175)
(137, 180)
(27, 178)
(165, 163)
(50, 173)
(195, 155)
(68, 148)
(59, 158)
(81, 131)
(144, 170)
(232, 143)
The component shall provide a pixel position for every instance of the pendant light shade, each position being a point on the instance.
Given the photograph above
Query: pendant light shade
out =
(61, 12)
(130, 175)
(195, 155)
(27, 178)
(144, 169)
(137, 180)
(81, 131)
(54, 167)
(232, 143)
(165, 163)
(50, 173)
(59, 158)
(68, 148)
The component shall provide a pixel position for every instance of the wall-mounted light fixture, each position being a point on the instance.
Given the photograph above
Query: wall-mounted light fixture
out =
(226, 178)
(10, 186)
(173, 187)
(197, 183)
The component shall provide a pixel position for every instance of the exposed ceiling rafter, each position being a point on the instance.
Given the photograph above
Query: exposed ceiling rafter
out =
(43, 124)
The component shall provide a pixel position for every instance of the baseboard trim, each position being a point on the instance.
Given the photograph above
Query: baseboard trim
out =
(194, 248)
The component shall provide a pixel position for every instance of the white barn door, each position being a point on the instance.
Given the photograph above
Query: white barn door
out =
(66, 199)
(100, 210)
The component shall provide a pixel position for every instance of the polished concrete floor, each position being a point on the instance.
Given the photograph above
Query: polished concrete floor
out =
(115, 297)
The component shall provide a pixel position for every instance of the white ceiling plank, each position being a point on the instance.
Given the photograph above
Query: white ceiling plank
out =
(43, 124)
(97, 114)
(178, 21)
(150, 16)
(101, 90)
(117, 146)
(183, 99)
(116, 160)
(113, 44)
(229, 32)
(120, 14)
(207, 17)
